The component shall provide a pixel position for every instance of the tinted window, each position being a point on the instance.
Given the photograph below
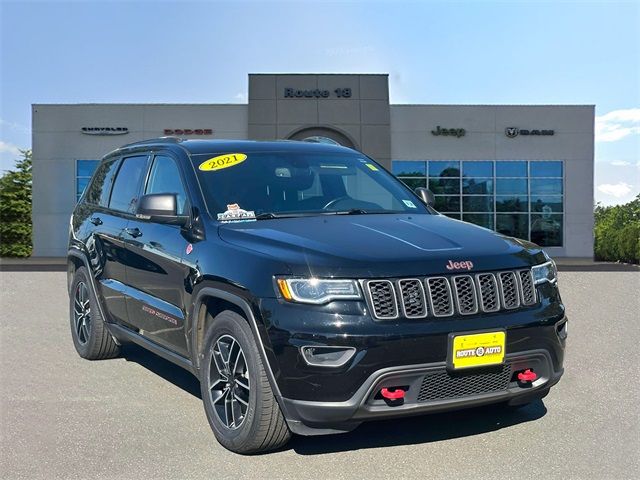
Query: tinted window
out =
(511, 169)
(124, 196)
(546, 169)
(165, 178)
(98, 193)
(407, 168)
(477, 169)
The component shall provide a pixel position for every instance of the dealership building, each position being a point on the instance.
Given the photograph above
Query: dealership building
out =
(522, 170)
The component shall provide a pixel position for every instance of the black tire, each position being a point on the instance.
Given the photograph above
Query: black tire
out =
(262, 426)
(90, 336)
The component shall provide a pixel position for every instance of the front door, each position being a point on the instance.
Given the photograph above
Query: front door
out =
(155, 272)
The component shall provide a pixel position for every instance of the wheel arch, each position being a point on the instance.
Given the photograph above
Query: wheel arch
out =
(211, 300)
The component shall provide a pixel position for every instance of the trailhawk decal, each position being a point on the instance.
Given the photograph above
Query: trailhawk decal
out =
(222, 161)
(236, 214)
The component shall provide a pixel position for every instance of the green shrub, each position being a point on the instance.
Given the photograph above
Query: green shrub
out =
(15, 209)
(617, 232)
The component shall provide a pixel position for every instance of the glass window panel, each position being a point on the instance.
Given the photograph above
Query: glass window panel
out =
(512, 203)
(477, 169)
(81, 184)
(124, 195)
(453, 215)
(85, 168)
(511, 169)
(483, 219)
(414, 183)
(546, 204)
(409, 168)
(545, 169)
(444, 169)
(441, 186)
(547, 186)
(477, 203)
(446, 203)
(511, 186)
(513, 224)
(546, 229)
(478, 186)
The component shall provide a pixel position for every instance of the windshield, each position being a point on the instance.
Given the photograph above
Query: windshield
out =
(274, 184)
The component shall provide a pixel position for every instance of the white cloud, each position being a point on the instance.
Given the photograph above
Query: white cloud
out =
(242, 97)
(620, 163)
(9, 148)
(618, 190)
(617, 124)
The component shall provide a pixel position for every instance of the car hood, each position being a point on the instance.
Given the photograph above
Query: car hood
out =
(376, 245)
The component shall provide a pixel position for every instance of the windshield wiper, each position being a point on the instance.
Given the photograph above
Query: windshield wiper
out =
(353, 211)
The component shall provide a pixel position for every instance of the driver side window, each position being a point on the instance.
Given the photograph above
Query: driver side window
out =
(165, 178)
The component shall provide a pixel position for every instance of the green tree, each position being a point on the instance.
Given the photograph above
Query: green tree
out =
(617, 232)
(15, 209)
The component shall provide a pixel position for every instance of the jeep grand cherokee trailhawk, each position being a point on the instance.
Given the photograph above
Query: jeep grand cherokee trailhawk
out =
(306, 288)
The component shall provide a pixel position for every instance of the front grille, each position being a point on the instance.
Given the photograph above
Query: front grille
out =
(443, 297)
(443, 385)
(440, 296)
(465, 292)
(509, 289)
(527, 286)
(412, 298)
(382, 298)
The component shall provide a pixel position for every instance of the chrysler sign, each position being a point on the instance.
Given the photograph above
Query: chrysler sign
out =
(104, 130)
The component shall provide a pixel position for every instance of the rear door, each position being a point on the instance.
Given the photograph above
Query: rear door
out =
(155, 272)
(110, 226)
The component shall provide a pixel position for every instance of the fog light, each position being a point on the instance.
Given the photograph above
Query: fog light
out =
(322, 356)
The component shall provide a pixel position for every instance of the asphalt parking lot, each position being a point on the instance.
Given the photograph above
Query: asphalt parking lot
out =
(141, 417)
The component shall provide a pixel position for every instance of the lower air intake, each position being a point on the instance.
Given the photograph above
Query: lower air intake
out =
(443, 385)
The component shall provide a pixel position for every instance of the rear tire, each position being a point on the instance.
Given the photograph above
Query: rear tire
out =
(240, 405)
(88, 331)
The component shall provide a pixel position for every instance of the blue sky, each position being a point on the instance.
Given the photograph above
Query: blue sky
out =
(435, 52)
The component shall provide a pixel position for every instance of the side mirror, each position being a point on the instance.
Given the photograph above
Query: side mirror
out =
(426, 196)
(160, 208)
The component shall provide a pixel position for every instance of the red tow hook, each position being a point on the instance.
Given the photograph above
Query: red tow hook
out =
(527, 376)
(396, 394)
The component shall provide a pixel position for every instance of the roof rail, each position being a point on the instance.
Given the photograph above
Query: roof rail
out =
(155, 140)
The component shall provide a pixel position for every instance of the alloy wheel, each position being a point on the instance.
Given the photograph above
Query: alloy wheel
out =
(82, 313)
(228, 385)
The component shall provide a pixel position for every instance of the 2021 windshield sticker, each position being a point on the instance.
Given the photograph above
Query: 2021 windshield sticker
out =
(222, 161)
(236, 214)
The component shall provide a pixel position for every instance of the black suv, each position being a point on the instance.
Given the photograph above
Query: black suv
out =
(306, 288)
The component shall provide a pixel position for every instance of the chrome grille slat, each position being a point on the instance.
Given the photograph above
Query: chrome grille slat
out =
(412, 298)
(465, 292)
(527, 288)
(488, 292)
(439, 292)
(509, 291)
(439, 296)
(383, 299)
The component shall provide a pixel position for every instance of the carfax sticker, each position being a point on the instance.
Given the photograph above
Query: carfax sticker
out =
(409, 203)
(222, 161)
(236, 214)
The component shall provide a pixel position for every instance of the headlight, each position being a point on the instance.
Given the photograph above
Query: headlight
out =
(317, 290)
(546, 272)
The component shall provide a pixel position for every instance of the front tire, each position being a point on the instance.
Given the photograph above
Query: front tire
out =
(240, 406)
(88, 331)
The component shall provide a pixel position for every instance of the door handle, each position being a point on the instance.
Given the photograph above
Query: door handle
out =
(96, 220)
(134, 232)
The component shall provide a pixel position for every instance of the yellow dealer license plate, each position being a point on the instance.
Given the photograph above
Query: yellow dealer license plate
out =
(478, 349)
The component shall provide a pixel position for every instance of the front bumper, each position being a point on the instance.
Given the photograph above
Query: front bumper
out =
(319, 400)
(319, 418)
